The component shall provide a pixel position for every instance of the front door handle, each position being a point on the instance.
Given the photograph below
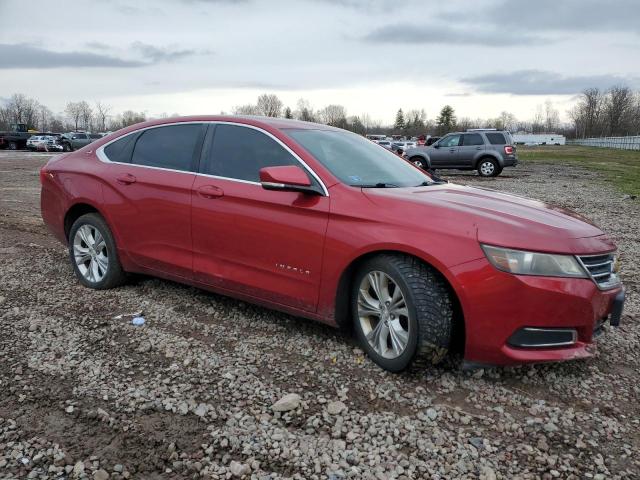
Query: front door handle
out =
(478, 148)
(210, 191)
(452, 150)
(126, 179)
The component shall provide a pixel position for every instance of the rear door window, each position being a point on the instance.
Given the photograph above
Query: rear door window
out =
(120, 151)
(240, 152)
(172, 147)
(496, 139)
(472, 139)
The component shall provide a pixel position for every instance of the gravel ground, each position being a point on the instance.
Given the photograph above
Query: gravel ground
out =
(211, 387)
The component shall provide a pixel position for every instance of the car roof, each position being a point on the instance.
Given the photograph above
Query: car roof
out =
(254, 120)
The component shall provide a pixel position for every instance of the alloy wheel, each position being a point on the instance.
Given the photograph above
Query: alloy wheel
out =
(487, 168)
(90, 253)
(383, 314)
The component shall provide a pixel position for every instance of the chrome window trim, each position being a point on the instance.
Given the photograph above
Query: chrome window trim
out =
(103, 157)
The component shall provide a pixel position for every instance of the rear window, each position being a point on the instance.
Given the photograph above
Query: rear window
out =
(496, 138)
(120, 150)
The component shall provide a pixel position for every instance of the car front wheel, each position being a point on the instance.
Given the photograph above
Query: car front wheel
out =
(93, 254)
(402, 312)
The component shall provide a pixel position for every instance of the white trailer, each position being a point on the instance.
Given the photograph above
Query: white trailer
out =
(539, 139)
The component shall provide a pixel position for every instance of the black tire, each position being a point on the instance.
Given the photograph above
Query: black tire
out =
(488, 167)
(66, 147)
(429, 306)
(13, 146)
(115, 275)
(419, 162)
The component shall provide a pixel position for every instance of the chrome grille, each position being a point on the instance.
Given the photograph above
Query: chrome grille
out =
(600, 269)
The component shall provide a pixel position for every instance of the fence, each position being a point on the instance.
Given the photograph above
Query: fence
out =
(623, 143)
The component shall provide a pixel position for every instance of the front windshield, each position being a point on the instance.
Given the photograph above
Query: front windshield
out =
(357, 161)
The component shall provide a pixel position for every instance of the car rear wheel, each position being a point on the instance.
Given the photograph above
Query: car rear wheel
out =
(13, 146)
(418, 162)
(488, 167)
(93, 253)
(402, 312)
(66, 147)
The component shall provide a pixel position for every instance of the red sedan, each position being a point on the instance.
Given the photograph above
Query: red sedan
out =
(322, 223)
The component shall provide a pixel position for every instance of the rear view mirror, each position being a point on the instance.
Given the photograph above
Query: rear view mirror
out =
(290, 178)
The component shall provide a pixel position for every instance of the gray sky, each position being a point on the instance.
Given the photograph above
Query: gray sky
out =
(206, 56)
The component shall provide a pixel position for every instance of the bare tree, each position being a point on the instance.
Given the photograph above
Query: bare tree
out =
(45, 116)
(335, 115)
(305, 111)
(102, 112)
(74, 111)
(269, 105)
(86, 113)
(247, 109)
(551, 117)
(619, 103)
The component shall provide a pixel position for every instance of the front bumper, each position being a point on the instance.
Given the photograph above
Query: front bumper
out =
(498, 305)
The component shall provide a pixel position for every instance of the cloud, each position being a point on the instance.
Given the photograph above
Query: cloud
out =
(565, 15)
(28, 56)
(435, 34)
(539, 82)
(161, 54)
(457, 94)
(31, 56)
(97, 46)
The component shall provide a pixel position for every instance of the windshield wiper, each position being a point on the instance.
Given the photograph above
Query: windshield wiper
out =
(380, 185)
(439, 181)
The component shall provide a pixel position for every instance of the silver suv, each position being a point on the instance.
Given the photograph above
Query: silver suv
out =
(487, 151)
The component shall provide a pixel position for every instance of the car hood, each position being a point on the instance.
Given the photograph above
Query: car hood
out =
(498, 218)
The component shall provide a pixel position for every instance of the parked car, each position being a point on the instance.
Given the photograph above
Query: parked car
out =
(74, 140)
(33, 141)
(49, 143)
(385, 143)
(321, 223)
(486, 151)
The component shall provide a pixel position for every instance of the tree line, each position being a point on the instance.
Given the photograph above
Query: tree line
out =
(612, 112)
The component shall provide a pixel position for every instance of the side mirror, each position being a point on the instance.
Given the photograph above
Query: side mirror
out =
(435, 145)
(290, 178)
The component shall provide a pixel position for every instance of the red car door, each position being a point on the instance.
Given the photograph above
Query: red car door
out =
(261, 243)
(149, 195)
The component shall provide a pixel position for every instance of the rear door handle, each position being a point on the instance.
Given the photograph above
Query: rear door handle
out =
(478, 148)
(452, 150)
(210, 191)
(126, 179)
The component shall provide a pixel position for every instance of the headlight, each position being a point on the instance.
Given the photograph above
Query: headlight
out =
(520, 262)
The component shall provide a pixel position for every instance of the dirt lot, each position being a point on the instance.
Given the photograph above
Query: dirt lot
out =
(190, 394)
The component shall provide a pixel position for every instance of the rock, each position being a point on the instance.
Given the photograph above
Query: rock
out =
(78, 469)
(432, 413)
(201, 410)
(477, 442)
(335, 408)
(69, 409)
(118, 468)
(487, 473)
(550, 427)
(100, 475)
(238, 469)
(286, 403)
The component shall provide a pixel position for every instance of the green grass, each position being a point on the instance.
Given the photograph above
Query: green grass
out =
(619, 167)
